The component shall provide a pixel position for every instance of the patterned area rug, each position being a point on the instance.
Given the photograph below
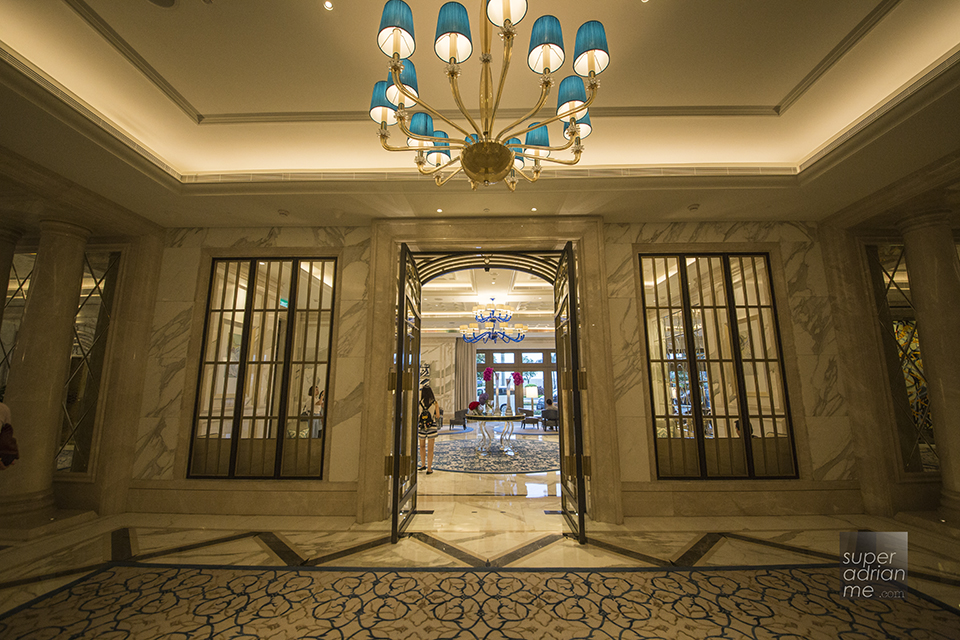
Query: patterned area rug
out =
(530, 456)
(185, 602)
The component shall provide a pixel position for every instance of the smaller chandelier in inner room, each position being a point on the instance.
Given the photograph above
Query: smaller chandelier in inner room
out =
(496, 316)
(485, 155)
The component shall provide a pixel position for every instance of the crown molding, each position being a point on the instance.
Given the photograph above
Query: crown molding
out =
(98, 24)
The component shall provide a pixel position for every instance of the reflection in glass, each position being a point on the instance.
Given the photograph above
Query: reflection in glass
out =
(265, 370)
(698, 378)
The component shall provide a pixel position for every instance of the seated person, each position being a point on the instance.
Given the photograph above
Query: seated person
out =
(550, 415)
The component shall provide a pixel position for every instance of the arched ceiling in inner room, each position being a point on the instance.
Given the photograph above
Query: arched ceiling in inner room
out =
(217, 113)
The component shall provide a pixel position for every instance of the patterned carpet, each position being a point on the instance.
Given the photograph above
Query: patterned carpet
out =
(530, 456)
(143, 602)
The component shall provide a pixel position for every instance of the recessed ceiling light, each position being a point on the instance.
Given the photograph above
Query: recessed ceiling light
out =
(439, 210)
(533, 209)
(328, 5)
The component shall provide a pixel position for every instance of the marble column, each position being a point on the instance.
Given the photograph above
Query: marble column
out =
(8, 243)
(934, 270)
(41, 364)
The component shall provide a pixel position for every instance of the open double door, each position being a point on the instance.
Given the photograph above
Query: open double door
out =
(558, 267)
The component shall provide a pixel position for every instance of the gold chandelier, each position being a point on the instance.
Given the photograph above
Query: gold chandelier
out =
(484, 156)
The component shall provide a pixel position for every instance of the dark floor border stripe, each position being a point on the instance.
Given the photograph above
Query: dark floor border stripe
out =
(783, 547)
(330, 557)
(90, 571)
(913, 573)
(635, 555)
(280, 548)
(695, 553)
(450, 550)
(191, 547)
(121, 547)
(524, 551)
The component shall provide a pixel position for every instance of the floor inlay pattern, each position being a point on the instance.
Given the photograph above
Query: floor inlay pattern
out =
(530, 456)
(137, 601)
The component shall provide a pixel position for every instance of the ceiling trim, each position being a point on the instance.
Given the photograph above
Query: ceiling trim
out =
(848, 42)
(45, 92)
(944, 76)
(510, 114)
(98, 24)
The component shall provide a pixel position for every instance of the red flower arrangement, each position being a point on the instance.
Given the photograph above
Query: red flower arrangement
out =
(488, 374)
(473, 406)
(517, 378)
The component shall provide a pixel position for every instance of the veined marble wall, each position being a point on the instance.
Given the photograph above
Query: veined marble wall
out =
(164, 423)
(440, 354)
(821, 425)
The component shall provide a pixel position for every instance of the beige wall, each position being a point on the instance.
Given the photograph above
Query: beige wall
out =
(163, 433)
(828, 469)
(619, 435)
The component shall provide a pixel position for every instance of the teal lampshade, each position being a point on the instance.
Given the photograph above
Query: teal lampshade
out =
(381, 109)
(472, 138)
(440, 152)
(396, 30)
(421, 124)
(583, 119)
(590, 52)
(500, 10)
(516, 146)
(539, 137)
(572, 94)
(408, 78)
(453, 33)
(546, 45)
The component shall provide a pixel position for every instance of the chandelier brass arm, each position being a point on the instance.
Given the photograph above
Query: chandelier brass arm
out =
(396, 65)
(593, 87)
(522, 154)
(507, 34)
(483, 157)
(442, 181)
(546, 81)
(384, 135)
(453, 72)
(434, 169)
(451, 143)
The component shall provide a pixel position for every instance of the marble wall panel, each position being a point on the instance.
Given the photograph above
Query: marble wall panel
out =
(820, 378)
(352, 329)
(440, 353)
(628, 356)
(811, 342)
(634, 450)
(161, 429)
(179, 267)
(344, 438)
(832, 448)
(621, 265)
(156, 448)
(346, 408)
(354, 271)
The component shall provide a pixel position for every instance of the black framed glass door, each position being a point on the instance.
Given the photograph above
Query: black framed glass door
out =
(406, 396)
(572, 481)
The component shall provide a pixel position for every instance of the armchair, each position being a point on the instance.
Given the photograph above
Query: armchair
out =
(551, 418)
(459, 419)
(529, 418)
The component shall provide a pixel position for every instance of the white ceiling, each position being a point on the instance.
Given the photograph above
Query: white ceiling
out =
(447, 300)
(225, 112)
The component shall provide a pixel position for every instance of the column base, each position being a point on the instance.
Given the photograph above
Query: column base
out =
(23, 504)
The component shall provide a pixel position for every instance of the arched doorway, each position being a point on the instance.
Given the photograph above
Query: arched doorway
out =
(557, 267)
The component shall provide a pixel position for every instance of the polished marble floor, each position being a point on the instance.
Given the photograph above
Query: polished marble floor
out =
(464, 521)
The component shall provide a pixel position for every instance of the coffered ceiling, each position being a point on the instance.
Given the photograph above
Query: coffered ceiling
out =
(252, 113)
